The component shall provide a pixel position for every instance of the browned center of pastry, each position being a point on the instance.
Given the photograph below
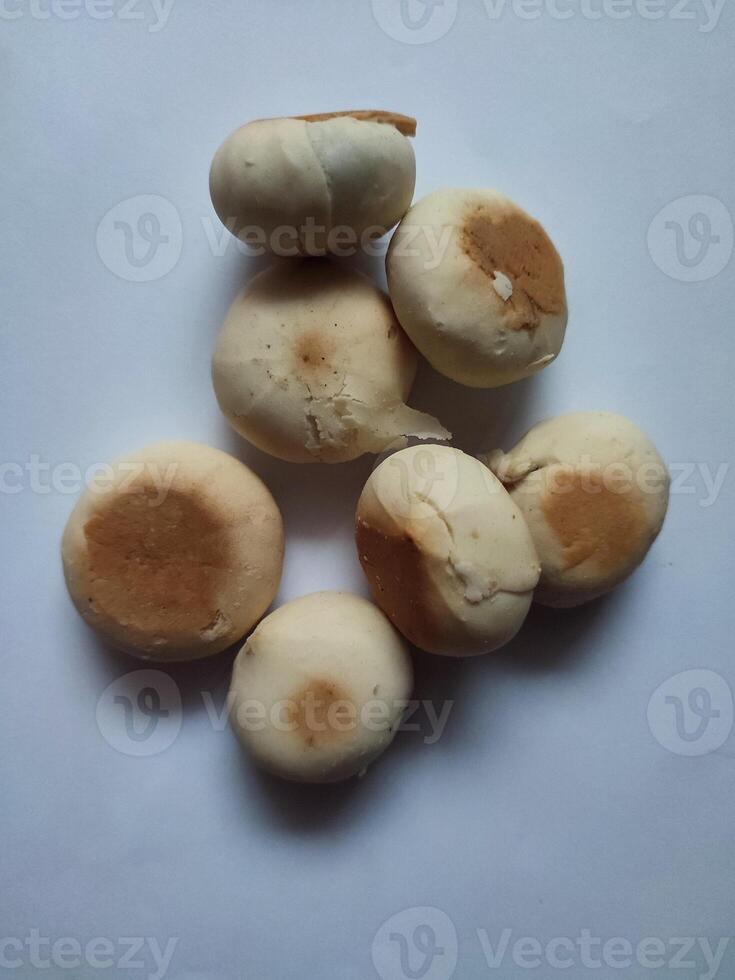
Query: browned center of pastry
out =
(595, 521)
(314, 353)
(512, 243)
(157, 563)
(321, 712)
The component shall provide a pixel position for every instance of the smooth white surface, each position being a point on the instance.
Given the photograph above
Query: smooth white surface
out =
(547, 806)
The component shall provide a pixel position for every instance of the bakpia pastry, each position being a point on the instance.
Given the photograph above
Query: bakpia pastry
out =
(312, 366)
(594, 492)
(174, 553)
(478, 286)
(445, 550)
(320, 687)
(311, 185)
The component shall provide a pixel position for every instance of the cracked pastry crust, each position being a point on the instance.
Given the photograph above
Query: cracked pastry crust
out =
(594, 492)
(177, 555)
(311, 366)
(311, 185)
(478, 286)
(447, 554)
(330, 678)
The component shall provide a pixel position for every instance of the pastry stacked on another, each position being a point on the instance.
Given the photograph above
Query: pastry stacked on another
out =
(311, 185)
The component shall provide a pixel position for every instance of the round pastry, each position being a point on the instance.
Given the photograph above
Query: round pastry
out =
(446, 552)
(315, 184)
(594, 492)
(311, 366)
(478, 286)
(175, 552)
(320, 687)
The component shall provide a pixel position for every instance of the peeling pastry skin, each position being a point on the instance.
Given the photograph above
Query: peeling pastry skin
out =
(478, 286)
(299, 180)
(175, 553)
(594, 492)
(447, 554)
(320, 687)
(312, 366)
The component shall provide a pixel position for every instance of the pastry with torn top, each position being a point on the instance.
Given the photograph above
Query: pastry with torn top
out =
(478, 286)
(312, 366)
(311, 185)
(175, 553)
(594, 492)
(319, 689)
(445, 550)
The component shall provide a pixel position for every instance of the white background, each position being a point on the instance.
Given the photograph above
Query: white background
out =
(550, 804)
